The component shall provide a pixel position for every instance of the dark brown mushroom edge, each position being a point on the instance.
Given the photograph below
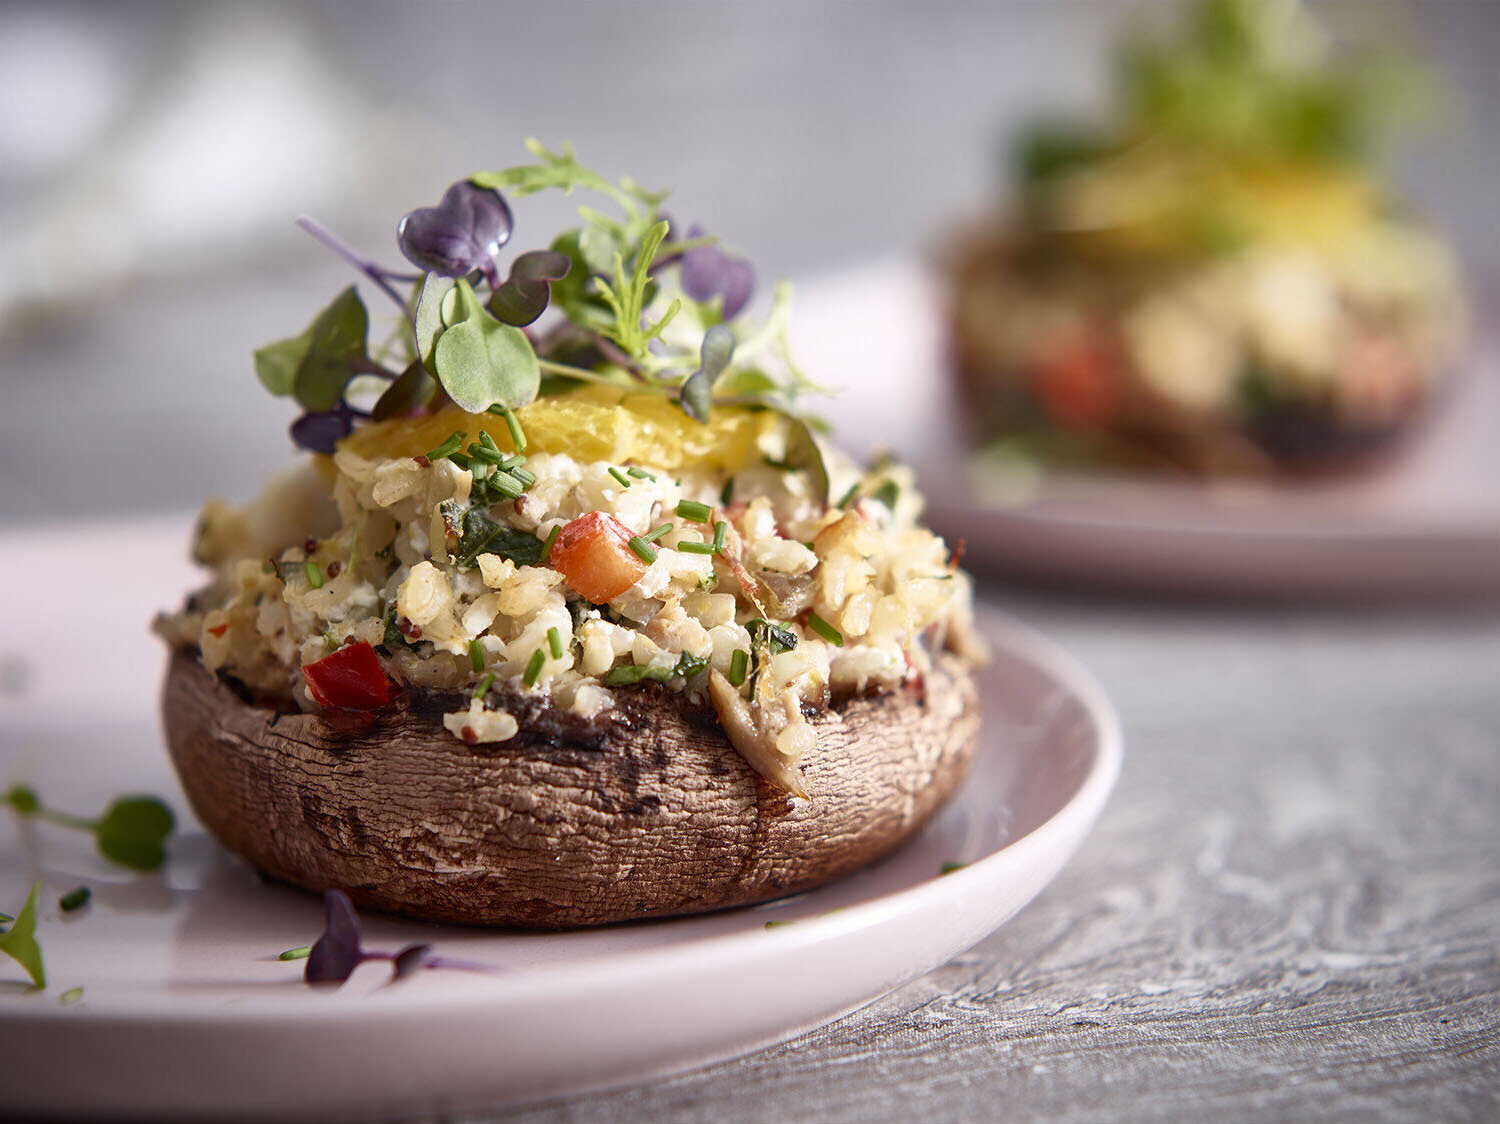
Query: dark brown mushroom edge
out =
(647, 811)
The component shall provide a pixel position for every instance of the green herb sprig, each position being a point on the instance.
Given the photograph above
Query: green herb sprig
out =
(19, 941)
(131, 832)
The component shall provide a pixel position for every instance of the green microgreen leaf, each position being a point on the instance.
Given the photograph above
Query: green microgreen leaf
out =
(484, 535)
(714, 356)
(315, 366)
(887, 493)
(132, 832)
(295, 953)
(19, 941)
(409, 393)
(23, 800)
(480, 361)
(804, 451)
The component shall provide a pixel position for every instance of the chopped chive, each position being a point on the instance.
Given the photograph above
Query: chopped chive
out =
(476, 654)
(739, 663)
(513, 461)
(551, 538)
(784, 466)
(949, 868)
(487, 441)
(849, 496)
(620, 476)
(484, 686)
(697, 547)
(296, 953)
(887, 494)
(643, 550)
(640, 473)
(534, 667)
(506, 484)
(726, 493)
(454, 443)
(314, 575)
(524, 475)
(694, 512)
(554, 641)
(721, 533)
(656, 533)
(488, 456)
(462, 461)
(517, 436)
(825, 630)
(779, 924)
(74, 899)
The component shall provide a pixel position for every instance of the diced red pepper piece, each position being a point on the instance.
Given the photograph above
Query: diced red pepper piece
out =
(593, 553)
(350, 678)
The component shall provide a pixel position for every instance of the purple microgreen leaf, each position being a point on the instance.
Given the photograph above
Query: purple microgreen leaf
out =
(714, 356)
(321, 431)
(336, 953)
(410, 392)
(461, 234)
(410, 960)
(525, 294)
(708, 272)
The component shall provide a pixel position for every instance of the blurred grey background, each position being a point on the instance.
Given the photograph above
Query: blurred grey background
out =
(153, 156)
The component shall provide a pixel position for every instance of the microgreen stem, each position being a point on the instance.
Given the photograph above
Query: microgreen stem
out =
(378, 274)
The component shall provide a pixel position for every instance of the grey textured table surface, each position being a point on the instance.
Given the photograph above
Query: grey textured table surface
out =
(1290, 909)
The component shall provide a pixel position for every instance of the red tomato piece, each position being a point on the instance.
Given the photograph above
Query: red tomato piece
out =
(1078, 381)
(351, 678)
(593, 553)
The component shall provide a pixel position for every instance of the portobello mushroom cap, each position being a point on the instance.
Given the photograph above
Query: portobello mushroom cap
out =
(647, 811)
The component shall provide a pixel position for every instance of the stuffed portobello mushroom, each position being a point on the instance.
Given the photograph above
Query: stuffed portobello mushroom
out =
(572, 615)
(1218, 282)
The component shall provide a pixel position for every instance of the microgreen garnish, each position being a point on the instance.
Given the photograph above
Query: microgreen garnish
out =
(554, 642)
(76, 898)
(314, 575)
(643, 549)
(476, 655)
(295, 953)
(534, 667)
(887, 494)
(620, 476)
(131, 832)
(638, 304)
(19, 941)
(339, 949)
(825, 630)
(739, 665)
(694, 512)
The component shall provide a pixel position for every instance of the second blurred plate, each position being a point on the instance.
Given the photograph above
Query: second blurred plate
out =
(1425, 525)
